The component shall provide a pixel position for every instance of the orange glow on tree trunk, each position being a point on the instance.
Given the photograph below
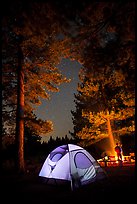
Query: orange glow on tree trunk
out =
(111, 138)
(20, 114)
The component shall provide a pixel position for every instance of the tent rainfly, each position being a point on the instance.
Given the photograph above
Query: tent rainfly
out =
(71, 163)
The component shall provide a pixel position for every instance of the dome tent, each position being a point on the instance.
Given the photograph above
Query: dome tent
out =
(71, 163)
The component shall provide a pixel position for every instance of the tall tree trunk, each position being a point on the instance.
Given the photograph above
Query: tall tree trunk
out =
(111, 138)
(1, 124)
(20, 113)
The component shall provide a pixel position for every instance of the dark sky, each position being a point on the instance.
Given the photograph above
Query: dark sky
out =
(58, 108)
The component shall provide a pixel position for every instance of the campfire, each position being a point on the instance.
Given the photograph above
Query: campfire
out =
(112, 160)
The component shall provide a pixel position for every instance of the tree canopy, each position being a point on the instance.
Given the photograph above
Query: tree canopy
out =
(106, 46)
(30, 23)
(99, 35)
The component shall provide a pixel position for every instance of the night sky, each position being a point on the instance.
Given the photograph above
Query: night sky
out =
(58, 108)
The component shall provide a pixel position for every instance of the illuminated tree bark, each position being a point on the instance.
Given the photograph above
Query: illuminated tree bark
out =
(38, 71)
(111, 138)
(20, 113)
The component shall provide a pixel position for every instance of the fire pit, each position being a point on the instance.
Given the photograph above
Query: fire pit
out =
(113, 161)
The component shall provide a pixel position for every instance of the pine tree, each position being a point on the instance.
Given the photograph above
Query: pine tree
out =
(107, 90)
(31, 63)
(106, 102)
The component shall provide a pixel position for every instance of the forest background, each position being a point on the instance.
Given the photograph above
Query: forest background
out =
(36, 36)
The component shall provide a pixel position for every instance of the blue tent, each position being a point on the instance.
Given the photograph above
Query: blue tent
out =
(71, 163)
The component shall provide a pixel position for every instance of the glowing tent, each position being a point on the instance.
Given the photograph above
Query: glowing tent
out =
(71, 163)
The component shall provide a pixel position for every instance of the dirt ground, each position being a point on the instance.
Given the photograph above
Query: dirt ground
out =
(119, 186)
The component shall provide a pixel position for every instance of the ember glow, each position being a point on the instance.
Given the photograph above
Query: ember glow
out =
(113, 160)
